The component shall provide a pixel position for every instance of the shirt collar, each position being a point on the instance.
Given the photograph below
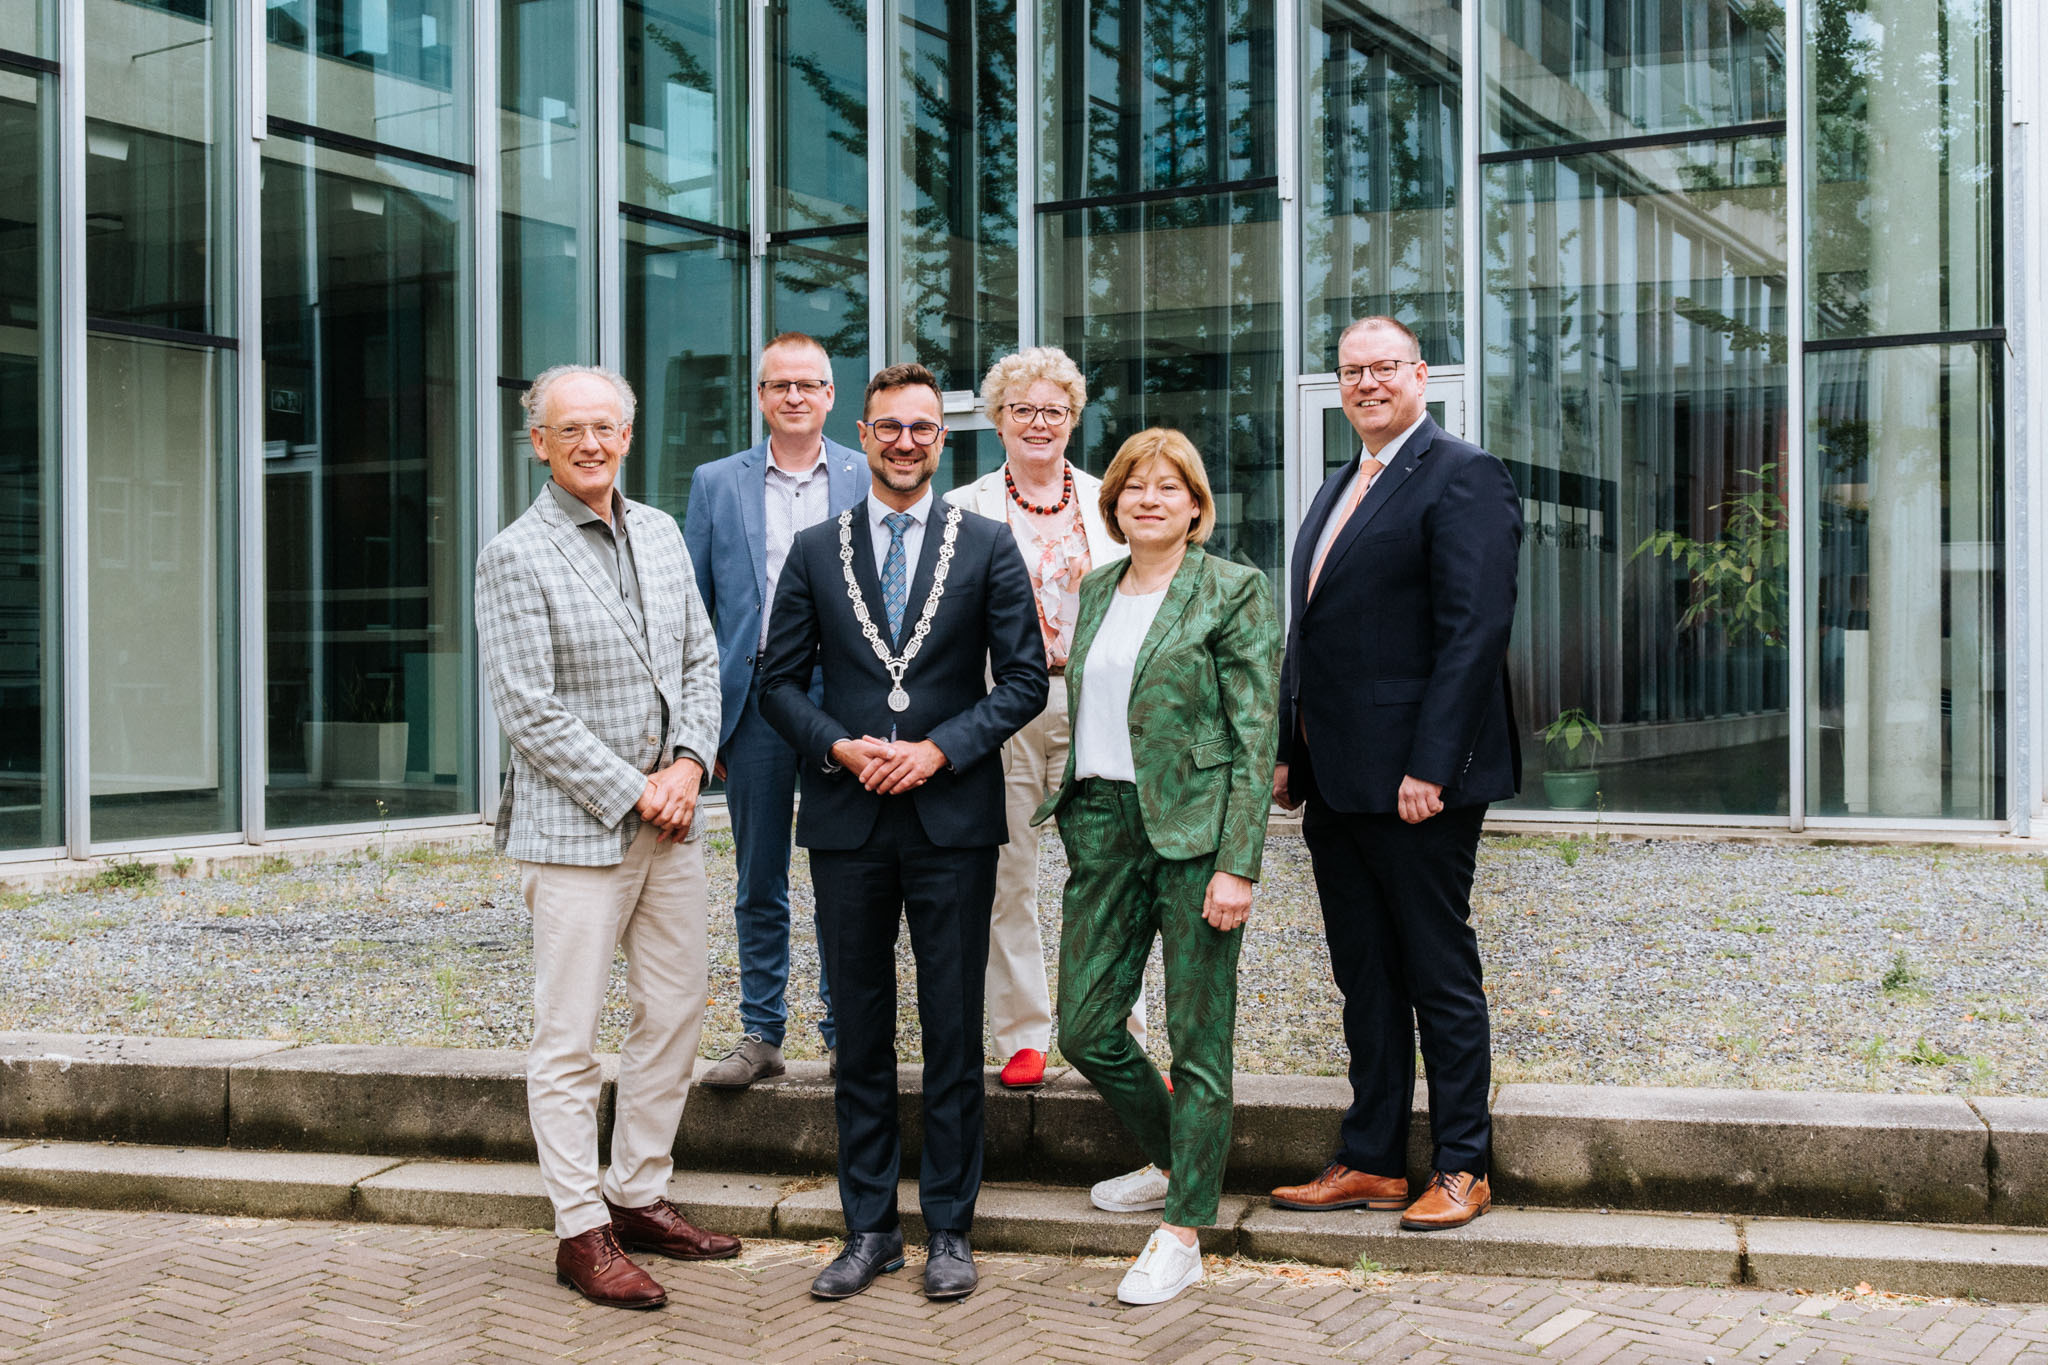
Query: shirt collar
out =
(804, 475)
(1395, 446)
(583, 514)
(919, 511)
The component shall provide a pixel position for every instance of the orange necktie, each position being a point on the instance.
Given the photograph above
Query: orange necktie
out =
(1368, 470)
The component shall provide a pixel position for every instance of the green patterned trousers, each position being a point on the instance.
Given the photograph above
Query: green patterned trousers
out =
(1120, 893)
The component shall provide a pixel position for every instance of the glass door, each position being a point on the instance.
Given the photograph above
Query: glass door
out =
(1328, 442)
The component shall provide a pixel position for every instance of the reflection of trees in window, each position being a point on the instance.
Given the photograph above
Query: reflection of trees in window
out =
(407, 38)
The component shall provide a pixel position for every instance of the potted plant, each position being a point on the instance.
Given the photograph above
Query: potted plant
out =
(366, 748)
(1571, 741)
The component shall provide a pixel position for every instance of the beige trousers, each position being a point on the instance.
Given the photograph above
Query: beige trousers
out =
(1019, 1002)
(652, 905)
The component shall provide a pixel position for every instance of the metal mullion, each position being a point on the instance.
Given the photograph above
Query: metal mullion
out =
(1027, 174)
(485, 320)
(881, 27)
(1793, 477)
(2026, 246)
(73, 474)
(758, 172)
(611, 298)
(247, 217)
(1471, 221)
(1288, 22)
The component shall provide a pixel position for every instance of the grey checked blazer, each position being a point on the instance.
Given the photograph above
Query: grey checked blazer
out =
(574, 685)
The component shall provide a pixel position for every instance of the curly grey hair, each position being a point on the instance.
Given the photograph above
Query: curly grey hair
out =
(1027, 367)
(535, 400)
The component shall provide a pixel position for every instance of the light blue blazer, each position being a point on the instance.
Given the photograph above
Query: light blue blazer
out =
(726, 530)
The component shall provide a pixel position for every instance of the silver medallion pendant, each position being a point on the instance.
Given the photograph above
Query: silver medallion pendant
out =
(899, 700)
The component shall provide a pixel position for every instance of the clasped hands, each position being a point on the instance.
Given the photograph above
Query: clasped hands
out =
(669, 800)
(889, 767)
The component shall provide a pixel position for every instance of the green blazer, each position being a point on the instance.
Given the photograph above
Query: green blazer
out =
(1205, 698)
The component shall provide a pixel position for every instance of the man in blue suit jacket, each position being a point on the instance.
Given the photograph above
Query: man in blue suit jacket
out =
(744, 512)
(1397, 731)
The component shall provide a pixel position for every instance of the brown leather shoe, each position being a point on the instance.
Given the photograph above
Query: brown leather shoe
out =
(1452, 1200)
(661, 1229)
(1340, 1187)
(593, 1264)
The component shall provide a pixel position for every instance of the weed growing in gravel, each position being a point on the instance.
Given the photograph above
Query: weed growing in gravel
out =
(183, 864)
(1568, 849)
(1743, 926)
(69, 928)
(16, 900)
(1900, 978)
(1873, 1054)
(123, 876)
(1365, 1265)
(1983, 1075)
(271, 865)
(1924, 1053)
(1999, 1014)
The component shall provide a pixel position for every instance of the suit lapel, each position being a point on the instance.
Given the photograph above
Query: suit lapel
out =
(754, 515)
(1385, 489)
(847, 469)
(866, 572)
(1179, 593)
(569, 540)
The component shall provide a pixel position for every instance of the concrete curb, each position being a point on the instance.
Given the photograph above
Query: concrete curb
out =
(1934, 1159)
(2008, 1264)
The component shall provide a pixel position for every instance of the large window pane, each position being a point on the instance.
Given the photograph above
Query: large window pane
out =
(1903, 205)
(547, 303)
(953, 238)
(686, 109)
(686, 355)
(393, 71)
(1151, 94)
(1172, 309)
(820, 286)
(154, 208)
(161, 598)
(1380, 194)
(818, 113)
(30, 761)
(22, 28)
(1563, 71)
(367, 489)
(1906, 551)
(1635, 385)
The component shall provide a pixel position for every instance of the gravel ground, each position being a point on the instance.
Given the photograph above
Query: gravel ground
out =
(1643, 963)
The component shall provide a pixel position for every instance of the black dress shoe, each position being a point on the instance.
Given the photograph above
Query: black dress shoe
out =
(949, 1269)
(867, 1255)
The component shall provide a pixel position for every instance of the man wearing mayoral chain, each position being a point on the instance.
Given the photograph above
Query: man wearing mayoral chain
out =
(910, 606)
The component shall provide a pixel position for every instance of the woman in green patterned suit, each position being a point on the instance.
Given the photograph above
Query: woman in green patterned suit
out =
(1173, 684)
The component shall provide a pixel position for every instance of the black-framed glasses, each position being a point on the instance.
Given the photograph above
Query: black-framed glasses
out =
(807, 388)
(573, 434)
(889, 431)
(1382, 370)
(1053, 414)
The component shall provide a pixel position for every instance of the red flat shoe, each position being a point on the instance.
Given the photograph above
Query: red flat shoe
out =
(1026, 1070)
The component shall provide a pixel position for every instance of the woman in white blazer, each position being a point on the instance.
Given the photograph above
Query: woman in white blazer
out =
(1035, 399)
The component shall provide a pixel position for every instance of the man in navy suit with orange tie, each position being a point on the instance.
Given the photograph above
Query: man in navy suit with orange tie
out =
(1396, 730)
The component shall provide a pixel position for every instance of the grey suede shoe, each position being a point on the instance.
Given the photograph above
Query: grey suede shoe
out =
(752, 1059)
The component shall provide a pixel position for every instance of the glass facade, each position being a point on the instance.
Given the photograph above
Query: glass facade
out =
(1726, 285)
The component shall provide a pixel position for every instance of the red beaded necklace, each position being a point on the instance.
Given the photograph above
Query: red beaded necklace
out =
(1066, 493)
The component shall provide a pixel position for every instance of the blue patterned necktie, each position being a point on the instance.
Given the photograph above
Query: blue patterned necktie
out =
(895, 575)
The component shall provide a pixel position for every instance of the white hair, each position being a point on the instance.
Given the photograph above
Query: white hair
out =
(535, 399)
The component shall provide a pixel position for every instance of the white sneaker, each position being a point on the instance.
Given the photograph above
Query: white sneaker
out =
(1142, 1189)
(1164, 1269)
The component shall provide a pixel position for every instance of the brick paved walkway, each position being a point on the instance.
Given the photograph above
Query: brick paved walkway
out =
(87, 1286)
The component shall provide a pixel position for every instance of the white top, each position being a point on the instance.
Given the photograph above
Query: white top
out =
(1332, 524)
(795, 502)
(913, 542)
(1102, 729)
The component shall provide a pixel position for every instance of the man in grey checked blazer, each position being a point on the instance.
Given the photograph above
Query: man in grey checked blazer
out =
(603, 671)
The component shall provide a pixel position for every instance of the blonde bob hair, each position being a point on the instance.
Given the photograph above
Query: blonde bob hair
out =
(1179, 453)
(1014, 373)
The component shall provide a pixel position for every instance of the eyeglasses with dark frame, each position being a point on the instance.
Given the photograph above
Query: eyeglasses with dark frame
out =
(572, 434)
(889, 431)
(1054, 414)
(807, 388)
(1382, 370)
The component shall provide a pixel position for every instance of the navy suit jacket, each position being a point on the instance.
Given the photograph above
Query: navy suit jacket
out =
(1398, 664)
(986, 628)
(726, 529)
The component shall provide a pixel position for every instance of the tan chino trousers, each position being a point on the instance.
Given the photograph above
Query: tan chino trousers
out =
(652, 905)
(1019, 1001)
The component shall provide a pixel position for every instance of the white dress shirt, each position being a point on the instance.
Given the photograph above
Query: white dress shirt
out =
(1102, 727)
(1332, 524)
(796, 502)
